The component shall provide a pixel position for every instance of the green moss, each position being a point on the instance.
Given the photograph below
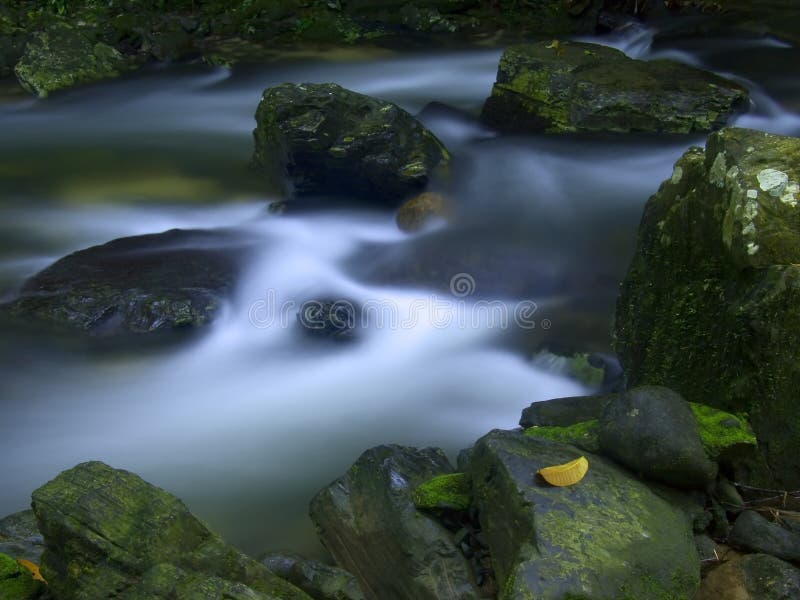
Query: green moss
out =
(445, 491)
(583, 434)
(719, 430)
(16, 583)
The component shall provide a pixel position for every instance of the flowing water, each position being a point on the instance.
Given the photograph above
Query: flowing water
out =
(248, 421)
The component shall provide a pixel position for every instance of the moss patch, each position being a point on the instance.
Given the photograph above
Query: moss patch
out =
(583, 434)
(720, 430)
(444, 491)
(16, 582)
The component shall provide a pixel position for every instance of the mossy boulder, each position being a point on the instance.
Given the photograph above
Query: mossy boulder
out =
(725, 436)
(319, 580)
(751, 577)
(652, 431)
(20, 537)
(368, 521)
(709, 304)
(111, 534)
(563, 87)
(324, 140)
(176, 280)
(607, 537)
(16, 582)
(62, 56)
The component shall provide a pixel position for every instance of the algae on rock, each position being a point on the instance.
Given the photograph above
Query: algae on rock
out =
(709, 304)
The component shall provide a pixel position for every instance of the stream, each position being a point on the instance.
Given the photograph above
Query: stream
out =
(248, 421)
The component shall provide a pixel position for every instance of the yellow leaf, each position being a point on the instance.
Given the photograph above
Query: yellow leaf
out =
(566, 474)
(34, 569)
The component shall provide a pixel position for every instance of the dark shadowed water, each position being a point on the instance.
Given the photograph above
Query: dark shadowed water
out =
(247, 422)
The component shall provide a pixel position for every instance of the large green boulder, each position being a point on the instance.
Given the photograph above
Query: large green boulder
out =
(324, 140)
(368, 521)
(62, 56)
(562, 87)
(176, 280)
(709, 305)
(609, 537)
(110, 534)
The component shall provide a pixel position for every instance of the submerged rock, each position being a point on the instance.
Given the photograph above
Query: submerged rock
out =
(320, 581)
(20, 536)
(324, 140)
(368, 521)
(609, 536)
(172, 280)
(420, 210)
(709, 305)
(652, 431)
(61, 57)
(111, 534)
(751, 577)
(561, 87)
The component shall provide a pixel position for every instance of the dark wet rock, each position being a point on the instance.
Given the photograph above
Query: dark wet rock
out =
(728, 496)
(335, 319)
(707, 548)
(20, 536)
(172, 280)
(561, 412)
(652, 431)
(756, 533)
(62, 57)
(562, 87)
(708, 307)
(751, 577)
(324, 140)
(16, 582)
(420, 210)
(608, 536)
(318, 580)
(111, 534)
(368, 521)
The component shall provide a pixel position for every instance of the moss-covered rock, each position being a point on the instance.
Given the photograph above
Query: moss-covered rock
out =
(708, 307)
(319, 580)
(324, 140)
(111, 534)
(61, 57)
(449, 492)
(16, 582)
(20, 536)
(562, 87)
(368, 521)
(168, 281)
(607, 537)
(652, 430)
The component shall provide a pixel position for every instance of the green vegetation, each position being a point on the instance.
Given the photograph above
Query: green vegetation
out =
(451, 491)
(720, 430)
